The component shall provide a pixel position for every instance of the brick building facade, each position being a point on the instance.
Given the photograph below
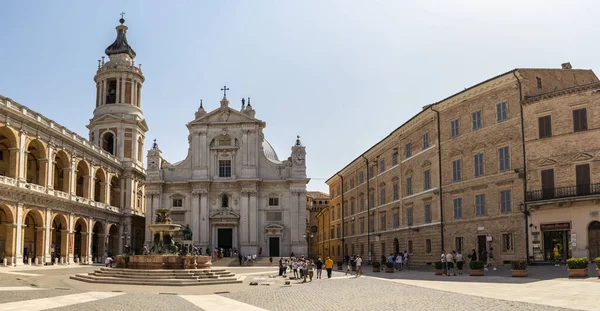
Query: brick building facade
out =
(475, 139)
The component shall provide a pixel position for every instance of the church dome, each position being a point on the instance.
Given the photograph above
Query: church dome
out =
(120, 46)
(269, 151)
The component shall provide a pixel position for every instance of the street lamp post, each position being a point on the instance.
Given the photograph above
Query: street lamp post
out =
(526, 212)
(308, 237)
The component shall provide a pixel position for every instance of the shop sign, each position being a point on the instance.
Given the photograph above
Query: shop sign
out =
(556, 226)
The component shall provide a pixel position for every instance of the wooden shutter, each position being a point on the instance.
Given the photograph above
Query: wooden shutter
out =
(580, 120)
(548, 183)
(545, 126)
(582, 173)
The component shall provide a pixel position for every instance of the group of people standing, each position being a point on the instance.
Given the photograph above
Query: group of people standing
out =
(400, 260)
(300, 267)
(453, 262)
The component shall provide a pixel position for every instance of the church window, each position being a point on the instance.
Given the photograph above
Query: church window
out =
(224, 141)
(140, 147)
(108, 143)
(224, 168)
(111, 92)
(178, 202)
(273, 201)
(224, 201)
(274, 216)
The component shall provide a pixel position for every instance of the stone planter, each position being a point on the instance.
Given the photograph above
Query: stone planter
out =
(578, 273)
(389, 270)
(376, 269)
(476, 272)
(439, 271)
(519, 273)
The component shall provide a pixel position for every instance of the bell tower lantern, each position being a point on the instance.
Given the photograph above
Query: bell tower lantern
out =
(118, 125)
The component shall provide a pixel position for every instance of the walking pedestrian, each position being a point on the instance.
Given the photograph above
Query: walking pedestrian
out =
(406, 260)
(399, 262)
(319, 265)
(240, 259)
(450, 263)
(473, 256)
(328, 267)
(348, 268)
(459, 262)
(444, 263)
(490, 259)
(295, 268)
(285, 266)
(270, 261)
(358, 266)
(280, 266)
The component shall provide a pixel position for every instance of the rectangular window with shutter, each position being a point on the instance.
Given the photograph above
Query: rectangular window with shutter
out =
(480, 205)
(409, 185)
(504, 159)
(478, 165)
(427, 213)
(545, 126)
(426, 180)
(456, 174)
(580, 120)
(476, 120)
(409, 216)
(457, 208)
(454, 127)
(501, 112)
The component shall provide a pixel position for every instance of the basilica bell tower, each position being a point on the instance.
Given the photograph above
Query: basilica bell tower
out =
(118, 126)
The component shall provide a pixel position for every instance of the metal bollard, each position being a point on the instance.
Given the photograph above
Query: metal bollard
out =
(56, 261)
(37, 261)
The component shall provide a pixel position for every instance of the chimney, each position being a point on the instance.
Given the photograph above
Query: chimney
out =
(566, 66)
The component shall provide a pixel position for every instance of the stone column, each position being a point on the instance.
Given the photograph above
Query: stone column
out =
(43, 174)
(149, 216)
(84, 252)
(71, 235)
(120, 237)
(103, 100)
(133, 92)
(90, 234)
(67, 180)
(50, 167)
(19, 236)
(47, 237)
(123, 90)
(91, 187)
(72, 178)
(253, 221)
(195, 207)
(107, 193)
(205, 220)
(118, 93)
(22, 155)
(65, 237)
(244, 219)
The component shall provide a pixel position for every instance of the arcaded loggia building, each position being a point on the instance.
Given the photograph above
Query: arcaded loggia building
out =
(232, 189)
(67, 199)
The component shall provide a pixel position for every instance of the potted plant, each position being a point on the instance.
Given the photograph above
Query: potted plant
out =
(476, 268)
(340, 264)
(376, 266)
(578, 266)
(519, 268)
(597, 262)
(439, 268)
(389, 267)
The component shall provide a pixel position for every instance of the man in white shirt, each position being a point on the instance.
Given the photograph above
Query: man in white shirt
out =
(358, 265)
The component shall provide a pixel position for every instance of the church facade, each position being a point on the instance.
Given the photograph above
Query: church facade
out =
(232, 189)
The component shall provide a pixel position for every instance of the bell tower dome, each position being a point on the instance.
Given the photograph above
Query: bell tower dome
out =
(118, 124)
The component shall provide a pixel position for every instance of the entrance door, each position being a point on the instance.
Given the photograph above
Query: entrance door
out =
(274, 246)
(225, 238)
(481, 245)
(548, 184)
(594, 239)
(582, 173)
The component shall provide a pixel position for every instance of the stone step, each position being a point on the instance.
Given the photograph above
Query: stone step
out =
(165, 275)
(89, 279)
(158, 271)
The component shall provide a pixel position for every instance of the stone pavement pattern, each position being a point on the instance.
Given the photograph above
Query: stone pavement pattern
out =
(52, 290)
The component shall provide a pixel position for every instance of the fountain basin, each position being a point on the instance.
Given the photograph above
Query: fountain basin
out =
(150, 262)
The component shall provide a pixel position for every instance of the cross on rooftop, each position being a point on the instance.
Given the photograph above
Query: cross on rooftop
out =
(225, 89)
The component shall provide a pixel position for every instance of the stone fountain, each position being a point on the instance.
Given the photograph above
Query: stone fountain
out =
(163, 263)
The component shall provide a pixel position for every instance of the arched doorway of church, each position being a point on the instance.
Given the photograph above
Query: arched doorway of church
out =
(33, 236)
(6, 231)
(98, 241)
(8, 156)
(594, 239)
(113, 240)
(61, 164)
(35, 173)
(58, 239)
(80, 248)
(115, 192)
(396, 246)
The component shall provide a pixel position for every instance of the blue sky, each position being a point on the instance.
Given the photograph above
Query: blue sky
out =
(341, 74)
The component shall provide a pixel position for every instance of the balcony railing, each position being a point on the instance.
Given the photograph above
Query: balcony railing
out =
(563, 192)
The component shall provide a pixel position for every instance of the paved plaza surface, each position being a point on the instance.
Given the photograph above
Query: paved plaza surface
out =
(547, 288)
